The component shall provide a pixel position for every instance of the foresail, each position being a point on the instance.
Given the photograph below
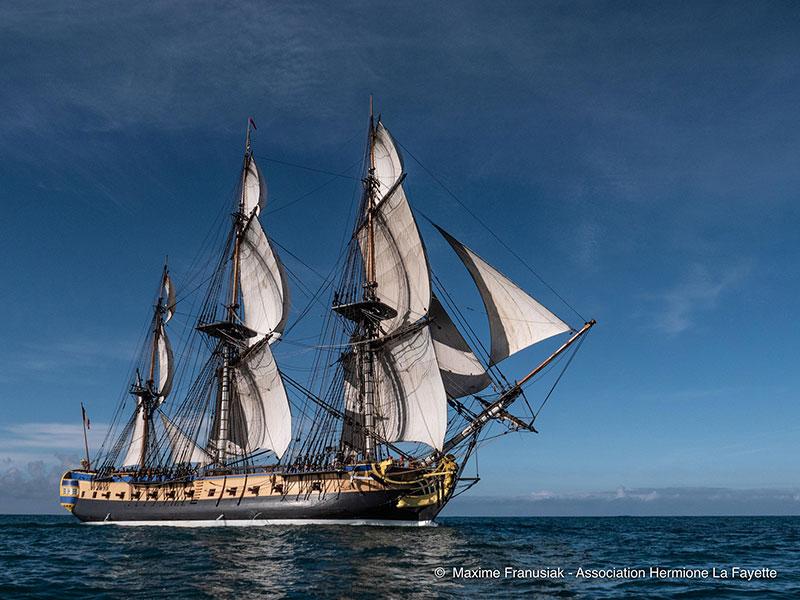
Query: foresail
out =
(184, 449)
(166, 365)
(462, 372)
(254, 189)
(133, 456)
(412, 404)
(260, 411)
(265, 293)
(516, 320)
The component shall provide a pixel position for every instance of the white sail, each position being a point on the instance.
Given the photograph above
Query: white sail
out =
(401, 267)
(169, 288)
(265, 294)
(134, 454)
(462, 372)
(388, 163)
(254, 189)
(184, 449)
(166, 365)
(411, 404)
(516, 320)
(261, 419)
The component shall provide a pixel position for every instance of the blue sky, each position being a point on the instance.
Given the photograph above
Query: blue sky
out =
(641, 157)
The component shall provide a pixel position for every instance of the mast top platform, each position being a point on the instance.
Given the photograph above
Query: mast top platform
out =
(227, 330)
(374, 310)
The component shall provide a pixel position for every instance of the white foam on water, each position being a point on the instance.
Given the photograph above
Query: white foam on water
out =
(265, 522)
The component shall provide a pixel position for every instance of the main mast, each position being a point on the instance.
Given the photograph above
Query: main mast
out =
(230, 331)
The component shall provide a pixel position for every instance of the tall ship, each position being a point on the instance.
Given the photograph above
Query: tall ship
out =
(400, 393)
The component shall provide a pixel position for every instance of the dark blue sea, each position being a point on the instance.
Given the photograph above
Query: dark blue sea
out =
(55, 557)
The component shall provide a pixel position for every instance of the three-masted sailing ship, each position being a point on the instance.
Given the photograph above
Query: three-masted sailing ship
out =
(401, 393)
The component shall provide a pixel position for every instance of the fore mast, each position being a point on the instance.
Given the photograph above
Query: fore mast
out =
(370, 326)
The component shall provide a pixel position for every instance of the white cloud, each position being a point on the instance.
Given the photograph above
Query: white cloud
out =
(699, 291)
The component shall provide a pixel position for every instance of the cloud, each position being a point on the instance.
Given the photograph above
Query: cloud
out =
(700, 290)
(33, 456)
(23, 443)
(679, 501)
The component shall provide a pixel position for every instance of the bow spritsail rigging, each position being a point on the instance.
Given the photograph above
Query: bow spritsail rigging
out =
(401, 391)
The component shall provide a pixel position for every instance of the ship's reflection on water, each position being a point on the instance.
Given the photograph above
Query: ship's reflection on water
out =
(336, 561)
(46, 557)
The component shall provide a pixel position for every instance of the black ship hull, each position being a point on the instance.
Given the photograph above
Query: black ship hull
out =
(372, 507)
(237, 501)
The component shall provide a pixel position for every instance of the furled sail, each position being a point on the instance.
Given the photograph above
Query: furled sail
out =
(254, 188)
(411, 404)
(260, 415)
(134, 454)
(401, 267)
(516, 320)
(184, 449)
(166, 364)
(462, 372)
(265, 293)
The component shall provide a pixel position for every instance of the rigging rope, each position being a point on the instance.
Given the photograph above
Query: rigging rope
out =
(489, 229)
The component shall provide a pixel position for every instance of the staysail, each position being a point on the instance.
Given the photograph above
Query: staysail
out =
(462, 372)
(184, 449)
(516, 319)
(133, 456)
(260, 415)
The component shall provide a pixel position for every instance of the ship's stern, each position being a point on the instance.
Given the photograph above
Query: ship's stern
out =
(68, 491)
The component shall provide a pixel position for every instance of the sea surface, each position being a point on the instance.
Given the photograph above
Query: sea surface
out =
(55, 557)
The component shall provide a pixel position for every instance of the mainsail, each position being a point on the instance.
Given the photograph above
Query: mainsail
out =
(260, 410)
(516, 320)
(411, 405)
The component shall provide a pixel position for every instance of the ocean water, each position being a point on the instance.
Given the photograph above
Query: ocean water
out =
(55, 557)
